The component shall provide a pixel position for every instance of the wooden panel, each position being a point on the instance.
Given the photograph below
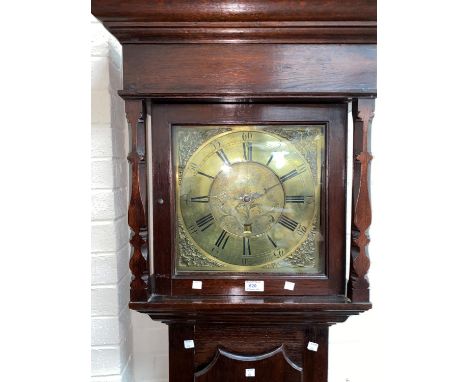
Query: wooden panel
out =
(234, 10)
(247, 340)
(316, 362)
(249, 69)
(181, 367)
(229, 367)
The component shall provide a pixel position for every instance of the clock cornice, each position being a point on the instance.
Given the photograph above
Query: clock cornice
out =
(246, 21)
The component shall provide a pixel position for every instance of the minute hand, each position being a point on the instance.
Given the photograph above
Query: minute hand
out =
(256, 195)
(269, 188)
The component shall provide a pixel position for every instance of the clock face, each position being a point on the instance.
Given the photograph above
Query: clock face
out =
(247, 197)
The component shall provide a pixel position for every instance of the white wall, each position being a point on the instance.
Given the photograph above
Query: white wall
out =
(150, 349)
(126, 346)
(111, 338)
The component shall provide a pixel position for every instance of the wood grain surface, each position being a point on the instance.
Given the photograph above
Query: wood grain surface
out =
(248, 70)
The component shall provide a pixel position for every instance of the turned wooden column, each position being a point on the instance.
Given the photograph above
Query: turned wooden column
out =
(137, 206)
(358, 283)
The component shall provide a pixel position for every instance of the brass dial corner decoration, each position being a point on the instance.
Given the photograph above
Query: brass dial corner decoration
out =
(248, 198)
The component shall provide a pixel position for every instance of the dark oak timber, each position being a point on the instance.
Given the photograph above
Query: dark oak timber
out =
(247, 62)
(227, 21)
(358, 284)
(228, 10)
(271, 366)
(248, 70)
(136, 209)
(181, 360)
(316, 362)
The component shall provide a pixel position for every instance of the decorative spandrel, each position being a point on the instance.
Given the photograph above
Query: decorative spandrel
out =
(248, 198)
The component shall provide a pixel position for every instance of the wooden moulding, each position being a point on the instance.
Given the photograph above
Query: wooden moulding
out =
(241, 21)
(137, 205)
(358, 284)
(249, 70)
(231, 310)
(259, 33)
(234, 10)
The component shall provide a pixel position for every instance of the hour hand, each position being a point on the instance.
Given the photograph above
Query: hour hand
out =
(256, 195)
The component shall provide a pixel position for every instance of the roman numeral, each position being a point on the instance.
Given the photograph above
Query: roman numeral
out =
(247, 151)
(246, 250)
(288, 222)
(200, 199)
(208, 176)
(295, 199)
(223, 157)
(205, 222)
(292, 174)
(289, 175)
(222, 239)
(271, 241)
(269, 160)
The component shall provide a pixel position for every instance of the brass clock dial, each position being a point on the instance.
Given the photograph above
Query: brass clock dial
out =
(247, 198)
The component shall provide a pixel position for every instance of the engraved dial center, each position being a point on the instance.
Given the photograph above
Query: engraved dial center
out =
(246, 194)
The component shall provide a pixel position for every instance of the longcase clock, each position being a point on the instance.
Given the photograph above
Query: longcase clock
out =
(239, 135)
